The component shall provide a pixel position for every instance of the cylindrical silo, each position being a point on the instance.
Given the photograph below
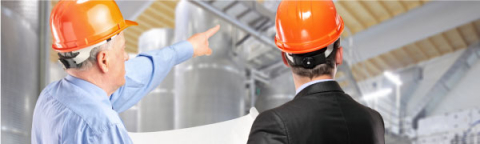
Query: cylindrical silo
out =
(20, 68)
(279, 91)
(155, 111)
(208, 89)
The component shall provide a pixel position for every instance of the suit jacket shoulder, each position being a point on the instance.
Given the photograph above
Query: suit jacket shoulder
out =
(268, 128)
(321, 113)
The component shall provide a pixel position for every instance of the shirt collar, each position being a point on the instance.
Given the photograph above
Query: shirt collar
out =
(311, 83)
(96, 92)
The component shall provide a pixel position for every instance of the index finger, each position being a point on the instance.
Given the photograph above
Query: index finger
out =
(212, 31)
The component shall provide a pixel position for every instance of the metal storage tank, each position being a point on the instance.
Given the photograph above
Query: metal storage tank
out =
(279, 91)
(23, 66)
(208, 89)
(155, 111)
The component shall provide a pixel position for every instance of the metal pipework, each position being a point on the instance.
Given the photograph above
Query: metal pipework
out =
(267, 41)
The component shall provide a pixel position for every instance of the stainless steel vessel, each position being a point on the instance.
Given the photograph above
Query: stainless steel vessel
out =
(20, 69)
(209, 89)
(279, 91)
(155, 111)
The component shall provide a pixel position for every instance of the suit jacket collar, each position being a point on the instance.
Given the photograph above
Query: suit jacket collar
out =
(328, 86)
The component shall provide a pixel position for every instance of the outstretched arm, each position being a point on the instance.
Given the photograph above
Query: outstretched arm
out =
(145, 72)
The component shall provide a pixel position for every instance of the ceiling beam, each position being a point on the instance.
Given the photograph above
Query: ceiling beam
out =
(417, 24)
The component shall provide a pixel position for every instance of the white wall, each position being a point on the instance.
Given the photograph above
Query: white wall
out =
(465, 95)
(432, 71)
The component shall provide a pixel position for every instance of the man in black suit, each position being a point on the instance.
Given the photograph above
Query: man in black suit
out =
(308, 33)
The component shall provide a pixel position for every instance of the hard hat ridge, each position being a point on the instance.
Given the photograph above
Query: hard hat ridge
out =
(79, 24)
(306, 26)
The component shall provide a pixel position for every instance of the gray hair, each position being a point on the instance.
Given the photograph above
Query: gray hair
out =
(92, 58)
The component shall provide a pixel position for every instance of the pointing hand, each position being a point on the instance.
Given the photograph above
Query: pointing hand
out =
(200, 42)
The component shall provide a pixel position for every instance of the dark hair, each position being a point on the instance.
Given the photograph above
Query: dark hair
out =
(326, 68)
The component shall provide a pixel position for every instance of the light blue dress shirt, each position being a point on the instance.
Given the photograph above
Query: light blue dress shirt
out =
(74, 111)
(311, 83)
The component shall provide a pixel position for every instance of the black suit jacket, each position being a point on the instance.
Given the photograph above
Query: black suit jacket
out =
(320, 114)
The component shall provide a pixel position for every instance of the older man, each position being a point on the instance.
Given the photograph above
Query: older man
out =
(308, 34)
(84, 106)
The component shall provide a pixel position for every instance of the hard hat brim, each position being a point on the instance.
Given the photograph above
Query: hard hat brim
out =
(130, 23)
(127, 24)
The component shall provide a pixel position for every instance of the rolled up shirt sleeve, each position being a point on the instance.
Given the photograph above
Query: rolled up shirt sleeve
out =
(146, 71)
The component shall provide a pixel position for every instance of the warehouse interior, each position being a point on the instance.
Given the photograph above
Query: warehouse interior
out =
(416, 62)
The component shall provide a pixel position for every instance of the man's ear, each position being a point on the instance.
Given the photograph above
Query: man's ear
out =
(103, 61)
(339, 56)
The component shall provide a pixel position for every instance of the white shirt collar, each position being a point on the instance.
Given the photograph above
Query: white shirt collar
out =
(311, 83)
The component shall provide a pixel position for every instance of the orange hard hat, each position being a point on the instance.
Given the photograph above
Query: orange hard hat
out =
(307, 26)
(77, 24)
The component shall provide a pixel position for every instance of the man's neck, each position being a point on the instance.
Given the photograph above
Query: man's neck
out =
(299, 81)
(92, 78)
